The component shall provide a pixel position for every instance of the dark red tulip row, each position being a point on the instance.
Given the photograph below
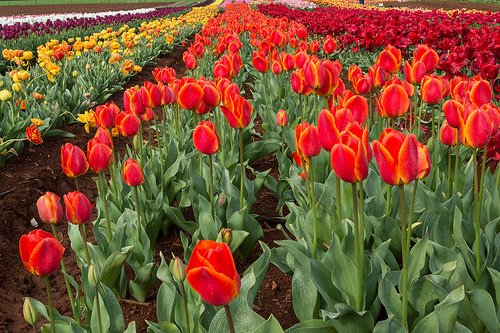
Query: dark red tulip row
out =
(463, 40)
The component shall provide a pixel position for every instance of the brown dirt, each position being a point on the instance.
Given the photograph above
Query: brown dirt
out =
(77, 8)
(38, 170)
(441, 4)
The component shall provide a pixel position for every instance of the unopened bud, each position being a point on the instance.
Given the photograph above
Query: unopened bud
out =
(179, 271)
(5, 95)
(75, 73)
(29, 312)
(227, 235)
(93, 276)
(221, 201)
(17, 87)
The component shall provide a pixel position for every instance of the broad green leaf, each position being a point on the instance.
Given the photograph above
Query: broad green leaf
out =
(484, 308)
(112, 267)
(312, 326)
(304, 295)
(270, 326)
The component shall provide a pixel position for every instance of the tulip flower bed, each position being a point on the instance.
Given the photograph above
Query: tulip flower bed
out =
(384, 176)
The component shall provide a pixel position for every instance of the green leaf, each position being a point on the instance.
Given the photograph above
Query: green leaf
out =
(417, 260)
(495, 278)
(144, 279)
(162, 327)
(259, 149)
(343, 272)
(130, 328)
(391, 325)
(104, 316)
(209, 229)
(304, 294)
(58, 133)
(111, 269)
(312, 326)
(390, 297)
(270, 326)
(346, 320)
(484, 308)
(444, 314)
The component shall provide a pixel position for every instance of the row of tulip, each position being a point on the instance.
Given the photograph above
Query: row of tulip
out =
(199, 152)
(465, 41)
(75, 74)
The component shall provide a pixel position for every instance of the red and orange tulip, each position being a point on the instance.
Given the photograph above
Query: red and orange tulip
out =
(281, 118)
(190, 96)
(132, 173)
(330, 124)
(260, 61)
(212, 273)
(164, 75)
(205, 138)
(151, 95)
(132, 101)
(238, 110)
(99, 156)
(396, 155)
(41, 253)
(480, 92)
(33, 135)
(104, 136)
(329, 45)
(127, 124)
(393, 102)
(307, 140)
(73, 161)
(105, 115)
(432, 89)
(448, 135)
(478, 127)
(49, 208)
(414, 72)
(428, 56)
(357, 104)
(190, 60)
(78, 207)
(390, 59)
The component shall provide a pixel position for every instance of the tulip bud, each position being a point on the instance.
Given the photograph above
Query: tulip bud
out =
(205, 138)
(78, 207)
(5, 95)
(49, 208)
(74, 73)
(282, 118)
(179, 270)
(93, 276)
(132, 173)
(30, 314)
(227, 235)
(17, 87)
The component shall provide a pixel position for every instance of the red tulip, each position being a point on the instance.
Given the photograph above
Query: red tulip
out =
(33, 135)
(260, 61)
(73, 161)
(448, 135)
(428, 56)
(424, 161)
(329, 45)
(390, 59)
(190, 96)
(78, 207)
(408, 87)
(164, 75)
(453, 112)
(148, 115)
(287, 61)
(211, 95)
(99, 156)
(415, 72)
(132, 173)
(151, 95)
(104, 136)
(397, 157)
(238, 110)
(190, 60)
(350, 158)
(480, 92)
(212, 273)
(127, 124)
(394, 101)
(281, 118)
(314, 73)
(299, 84)
(432, 89)
(105, 115)
(132, 101)
(330, 124)
(307, 140)
(477, 128)
(378, 76)
(168, 95)
(41, 253)
(49, 208)
(300, 59)
(356, 103)
(361, 84)
(205, 138)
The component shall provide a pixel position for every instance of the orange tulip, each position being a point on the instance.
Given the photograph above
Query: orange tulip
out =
(390, 59)
(132, 101)
(190, 60)
(260, 61)
(104, 136)
(205, 138)
(287, 61)
(378, 76)
(424, 161)
(105, 115)
(314, 73)
(330, 124)
(432, 89)
(394, 101)
(453, 112)
(415, 72)
(212, 273)
(73, 161)
(448, 135)
(127, 124)
(78, 207)
(480, 92)
(281, 118)
(478, 127)
(151, 95)
(49, 208)
(164, 75)
(396, 155)
(190, 96)
(33, 135)
(357, 104)
(41, 253)
(428, 56)
(132, 173)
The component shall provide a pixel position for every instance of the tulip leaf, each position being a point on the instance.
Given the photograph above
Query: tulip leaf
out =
(144, 279)
(484, 307)
(304, 295)
(312, 326)
(104, 317)
(209, 229)
(131, 328)
(390, 325)
(444, 314)
(162, 327)
(58, 133)
(111, 269)
(343, 271)
(495, 278)
(416, 260)
(258, 149)
(270, 326)
(390, 297)
(345, 319)
(62, 327)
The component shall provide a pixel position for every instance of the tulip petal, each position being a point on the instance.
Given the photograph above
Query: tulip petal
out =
(408, 159)
(478, 129)
(46, 256)
(215, 288)
(387, 165)
(343, 158)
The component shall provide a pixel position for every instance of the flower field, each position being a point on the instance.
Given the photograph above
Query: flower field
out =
(288, 166)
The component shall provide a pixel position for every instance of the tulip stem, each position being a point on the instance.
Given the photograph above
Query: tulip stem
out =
(98, 309)
(66, 281)
(229, 318)
(388, 201)
(313, 207)
(160, 150)
(138, 210)
(140, 140)
(410, 218)
(83, 231)
(405, 250)
(478, 193)
(266, 111)
(242, 176)
(448, 180)
(361, 205)
(49, 300)
(102, 179)
(359, 273)
(455, 178)
(185, 304)
(212, 184)
(283, 143)
(338, 199)
(76, 184)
